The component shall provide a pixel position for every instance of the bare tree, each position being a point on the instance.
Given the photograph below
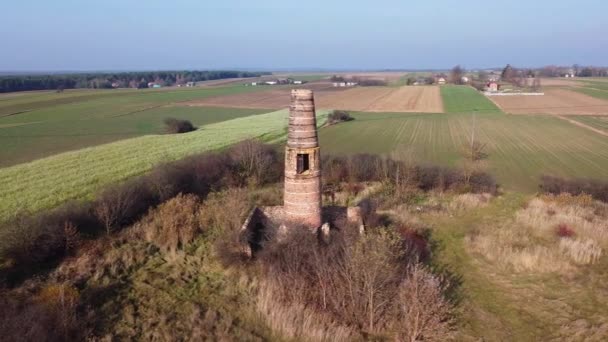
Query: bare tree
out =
(253, 159)
(425, 314)
(456, 74)
(536, 84)
(113, 206)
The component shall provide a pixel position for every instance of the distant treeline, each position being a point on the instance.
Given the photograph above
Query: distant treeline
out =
(114, 80)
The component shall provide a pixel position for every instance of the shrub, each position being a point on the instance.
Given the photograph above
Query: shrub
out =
(564, 231)
(175, 223)
(49, 316)
(423, 312)
(256, 162)
(31, 241)
(123, 204)
(175, 126)
(338, 116)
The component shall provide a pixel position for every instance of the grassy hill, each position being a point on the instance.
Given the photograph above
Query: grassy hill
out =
(47, 182)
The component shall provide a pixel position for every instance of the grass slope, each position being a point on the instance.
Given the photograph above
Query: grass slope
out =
(465, 99)
(520, 148)
(38, 124)
(47, 182)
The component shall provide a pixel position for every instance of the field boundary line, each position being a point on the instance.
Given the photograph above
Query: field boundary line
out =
(582, 125)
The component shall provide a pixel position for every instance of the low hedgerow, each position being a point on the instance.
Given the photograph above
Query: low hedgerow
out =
(556, 185)
(368, 167)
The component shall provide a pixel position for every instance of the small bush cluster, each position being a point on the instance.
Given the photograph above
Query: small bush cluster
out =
(33, 241)
(564, 231)
(338, 116)
(556, 185)
(175, 126)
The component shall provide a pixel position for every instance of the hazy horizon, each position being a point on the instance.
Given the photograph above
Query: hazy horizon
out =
(314, 35)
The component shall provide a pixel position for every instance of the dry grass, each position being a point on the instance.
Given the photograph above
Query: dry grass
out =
(551, 234)
(297, 321)
(469, 201)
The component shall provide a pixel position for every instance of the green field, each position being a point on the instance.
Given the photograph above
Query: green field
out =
(519, 148)
(47, 182)
(465, 99)
(39, 124)
(593, 92)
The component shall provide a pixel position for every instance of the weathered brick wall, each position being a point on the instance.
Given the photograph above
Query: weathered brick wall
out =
(302, 197)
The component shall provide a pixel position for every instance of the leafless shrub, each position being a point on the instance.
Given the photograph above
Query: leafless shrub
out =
(224, 212)
(423, 312)
(556, 185)
(29, 242)
(50, 315)
(114, 206)
(175, 223)
(403, 175)
(255, 161)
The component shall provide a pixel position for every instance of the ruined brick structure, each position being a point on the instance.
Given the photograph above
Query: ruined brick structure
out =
(302, 205)
(302, 194)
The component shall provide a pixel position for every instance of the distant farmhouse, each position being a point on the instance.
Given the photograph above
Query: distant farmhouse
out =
(344, 84)
(492, 86)
(277, 81)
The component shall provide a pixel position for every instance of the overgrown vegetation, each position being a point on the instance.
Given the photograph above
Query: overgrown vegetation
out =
(31, 242)
(369, 285)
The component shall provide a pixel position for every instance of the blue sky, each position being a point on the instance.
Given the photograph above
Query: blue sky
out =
(284, 34)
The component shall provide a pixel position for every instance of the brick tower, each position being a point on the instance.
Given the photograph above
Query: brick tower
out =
(302, 197)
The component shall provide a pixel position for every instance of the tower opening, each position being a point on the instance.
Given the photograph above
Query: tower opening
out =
(303, 163)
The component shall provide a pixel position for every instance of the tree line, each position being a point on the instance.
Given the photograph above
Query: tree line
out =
(114, 80)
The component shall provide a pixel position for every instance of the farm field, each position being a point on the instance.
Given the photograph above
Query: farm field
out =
(47, 182)
(555, 101)
(369, 99)
(38, 124)
(520, 148)
(597, 122)
(464, 99)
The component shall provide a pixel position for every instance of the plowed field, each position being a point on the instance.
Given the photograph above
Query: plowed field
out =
(555, 101)
(369, 99)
